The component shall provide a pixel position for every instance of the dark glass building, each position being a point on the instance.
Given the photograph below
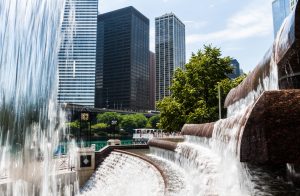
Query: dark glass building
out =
(152, 80)
(122, 62)
(236, 69)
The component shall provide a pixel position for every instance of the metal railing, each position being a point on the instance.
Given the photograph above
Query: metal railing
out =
(63, 163)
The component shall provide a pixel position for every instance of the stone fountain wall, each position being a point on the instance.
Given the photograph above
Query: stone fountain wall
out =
(272, 131)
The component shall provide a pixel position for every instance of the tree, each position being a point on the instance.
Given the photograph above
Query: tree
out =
(141, 120)
(153, 121)
(225, 86)
(133, 121)
(129, 123)
(171, 118)
(107, 117)
(74, 126)
(194, 97)
(100, 126)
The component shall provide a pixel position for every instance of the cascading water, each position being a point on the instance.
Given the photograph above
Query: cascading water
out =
(30, 123)
(122, 174)
(203, 166)
(212, 166)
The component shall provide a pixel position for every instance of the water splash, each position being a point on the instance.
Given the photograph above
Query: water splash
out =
(212, 166)
(121, 174)
(30, 122)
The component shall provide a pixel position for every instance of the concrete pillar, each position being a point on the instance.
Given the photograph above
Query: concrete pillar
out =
(85, 165)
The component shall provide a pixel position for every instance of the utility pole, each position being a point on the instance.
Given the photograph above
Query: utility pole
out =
(219, 95)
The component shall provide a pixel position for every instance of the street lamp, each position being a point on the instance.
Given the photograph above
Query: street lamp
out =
(219, 96)
(85, 117)
(114, 123)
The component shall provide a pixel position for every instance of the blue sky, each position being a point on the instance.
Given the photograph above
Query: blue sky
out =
(243, 29)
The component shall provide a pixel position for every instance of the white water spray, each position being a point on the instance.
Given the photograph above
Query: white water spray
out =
(122, 174)
(31, 124)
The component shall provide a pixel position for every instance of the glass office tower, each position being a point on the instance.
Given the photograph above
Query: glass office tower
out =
(169, 50)
(152, 80)
(236, 69)
(77, 55)
(122, 73)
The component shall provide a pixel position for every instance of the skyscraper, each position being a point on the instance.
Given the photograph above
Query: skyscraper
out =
(281, 9)
(170, 51)
(152, 80)
(123, 60)
(236, 69)
(77, 55)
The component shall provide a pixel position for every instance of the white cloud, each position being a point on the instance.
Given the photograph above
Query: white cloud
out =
(107, 6)
(255, 20)
(152, 39)
(194, 24)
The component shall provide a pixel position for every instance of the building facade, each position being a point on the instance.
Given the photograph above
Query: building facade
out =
(170, 51)
(77, 55)
(152, 80)
(281, 9)
(236, 69)
(122, 73)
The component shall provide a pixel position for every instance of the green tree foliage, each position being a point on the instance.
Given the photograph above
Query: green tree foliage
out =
(225, 86)
(171, 118)
(141, 120)
(100, 126)
(107, 117)
(153, 121)
(133, 121)
(194, 96)
(75, 124)
(128, 123)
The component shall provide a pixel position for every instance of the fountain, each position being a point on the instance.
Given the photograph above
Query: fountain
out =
(30, 122)
(248, 152)
(228, 157)
(119, 168)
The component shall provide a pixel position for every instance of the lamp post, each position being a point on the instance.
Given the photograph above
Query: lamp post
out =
(114, 123)
(219, 96)
(85, 116)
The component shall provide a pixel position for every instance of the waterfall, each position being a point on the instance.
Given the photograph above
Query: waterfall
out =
(122, 174)
(211, 165)
(30, 122)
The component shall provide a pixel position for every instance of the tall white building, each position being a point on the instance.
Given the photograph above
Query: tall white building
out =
(170, 51)
(77, 55)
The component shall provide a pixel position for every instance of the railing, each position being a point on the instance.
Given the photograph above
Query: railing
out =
(63, 163)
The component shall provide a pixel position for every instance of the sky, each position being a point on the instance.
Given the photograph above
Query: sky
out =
(243, 29)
